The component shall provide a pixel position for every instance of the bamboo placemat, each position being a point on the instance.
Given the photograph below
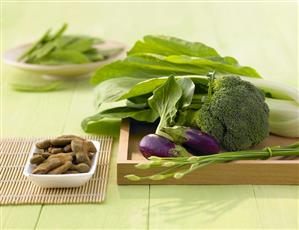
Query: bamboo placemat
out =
(15, 188)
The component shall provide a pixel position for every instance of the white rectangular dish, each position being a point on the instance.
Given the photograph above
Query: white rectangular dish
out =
(60, 180)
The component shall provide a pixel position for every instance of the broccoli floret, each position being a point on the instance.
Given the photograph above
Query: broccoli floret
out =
(235, 114)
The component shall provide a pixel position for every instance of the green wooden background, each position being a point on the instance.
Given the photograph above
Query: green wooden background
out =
(262, 35)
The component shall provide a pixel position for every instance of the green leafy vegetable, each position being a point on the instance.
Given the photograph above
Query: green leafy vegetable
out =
(166, 45)
(220, 67)
(63, 57)
(187, 87)
(284, 117)
(36, 87)
(158, 56)
(60, 49)
(154, 58)
(144, 66)
(164, 102)
(112, 89)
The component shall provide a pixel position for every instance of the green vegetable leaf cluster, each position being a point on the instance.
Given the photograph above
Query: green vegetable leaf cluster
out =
(60, 49)
(125, 87)
(157, 56)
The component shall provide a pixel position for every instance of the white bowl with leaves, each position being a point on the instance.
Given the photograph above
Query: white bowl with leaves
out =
(64, 56)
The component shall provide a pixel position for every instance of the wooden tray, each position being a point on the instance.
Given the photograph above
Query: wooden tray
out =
(276, 170)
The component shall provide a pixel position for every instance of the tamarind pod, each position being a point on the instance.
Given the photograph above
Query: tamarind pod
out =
(67, 148)
(56, 150)
(45, 154)
(37, 159)
(61, 141)
(64, 140)
(71, 172)
(77, 145)
(39, 151)
(47, 165)
(64, 157)
(91, 147)
(71, 137)
(80, 148)
(82, 157)
(90, 155)
(43, 144)
(61, 169)
(82, 167)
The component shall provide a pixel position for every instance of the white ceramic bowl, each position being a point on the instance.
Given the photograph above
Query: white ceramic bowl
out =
(62, 71)
(60, 180)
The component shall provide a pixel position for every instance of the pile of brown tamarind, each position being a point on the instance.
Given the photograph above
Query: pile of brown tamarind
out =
(66, 154)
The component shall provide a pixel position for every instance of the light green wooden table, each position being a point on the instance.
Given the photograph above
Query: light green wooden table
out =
(263, 35)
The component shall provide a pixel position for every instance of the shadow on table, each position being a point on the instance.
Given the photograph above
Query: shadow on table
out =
(207, 201)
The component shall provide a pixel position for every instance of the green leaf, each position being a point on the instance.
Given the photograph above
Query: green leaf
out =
(60, 31)
(188, 88)
(43, 46)
(112, 89)
(36, 87)
(213, 65)
(120, 106)
(35, 45)
(80, 44)
(100, 118)
(142, 88)
(60, 57)
(148, 86)
(166, 45)
(41, 52)
(58, 49)
(164, 102)
(105, 126)
(149, 66)
(94, 55)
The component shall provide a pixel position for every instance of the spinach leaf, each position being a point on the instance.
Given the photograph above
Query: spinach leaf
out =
(94, 55)
(36, 87)
(188, 88)
(43, 46)
(217, 66)
(147, 115)
(164, 102)
(60, 57)
(59, 49)
(166, 45)
(112, 89)
(117, 106)
(148, 86)
(35, 45)
(158, 56)
(149, 66)
(80, 45)
(142, 88)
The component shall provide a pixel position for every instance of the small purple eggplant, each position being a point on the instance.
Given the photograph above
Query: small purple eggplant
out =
(195, 141)
(155, 145)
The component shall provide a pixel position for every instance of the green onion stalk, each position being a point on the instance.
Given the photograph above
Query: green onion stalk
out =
(176, 166)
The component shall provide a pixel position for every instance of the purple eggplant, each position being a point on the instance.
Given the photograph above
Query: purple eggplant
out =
(195, 141)
(155, 145)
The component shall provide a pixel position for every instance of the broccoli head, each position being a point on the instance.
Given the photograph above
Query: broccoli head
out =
(235, 114)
